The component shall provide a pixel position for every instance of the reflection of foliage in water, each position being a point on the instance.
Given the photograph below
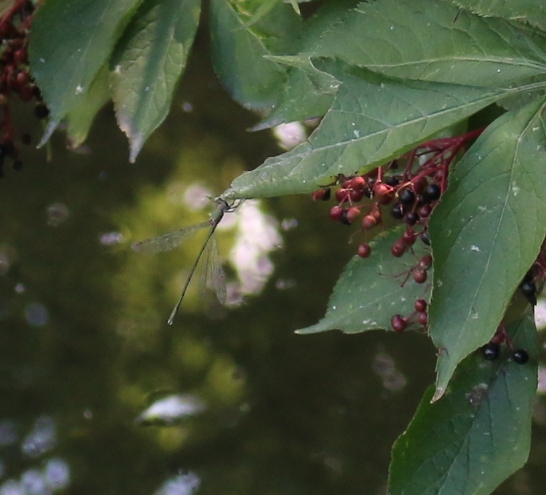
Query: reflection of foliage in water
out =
(46, 474)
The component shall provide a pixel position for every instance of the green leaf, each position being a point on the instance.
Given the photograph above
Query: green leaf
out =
(528, 11)
(81, 118)
(148, 63)
(372, 120)
(306, 93)
(70, 42)
(478, 434)
(486, 233)
(434, 41)
(372, 290)
(239, 50)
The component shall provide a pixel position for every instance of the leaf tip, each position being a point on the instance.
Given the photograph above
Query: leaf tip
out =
(438, 394)
(50, 128)
(136, 146)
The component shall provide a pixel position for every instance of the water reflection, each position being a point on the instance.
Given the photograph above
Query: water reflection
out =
(183, 484)
(36, 314)
(256, 237)
(57, 213)
(48, 476)
(284, 413)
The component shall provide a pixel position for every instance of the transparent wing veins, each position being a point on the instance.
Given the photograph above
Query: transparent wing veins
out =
(168, 241)
(214, 276)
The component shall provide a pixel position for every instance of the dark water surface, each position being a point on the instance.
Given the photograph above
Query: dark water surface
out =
(85, 348)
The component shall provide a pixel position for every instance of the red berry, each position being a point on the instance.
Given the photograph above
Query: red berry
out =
(426, 262)
(398, 248)
(335, 213)
(425, 211)
(368, 222)
(409, 238)
(420, 305)
(376, 213)
(358, 183)
(352, 214)
(356, 195)
(22, 78)
(342, 195)
(386, 198)
(420, 275)
(419, 185)
(382, 190)
(398, 323)
(364, 250)
(412, 218)
(322, 194)
(20, 56)
(423, 319)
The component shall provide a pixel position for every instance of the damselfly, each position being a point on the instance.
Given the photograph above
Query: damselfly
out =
(213, 273)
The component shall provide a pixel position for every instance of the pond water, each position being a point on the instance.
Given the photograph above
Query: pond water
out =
(90, 372)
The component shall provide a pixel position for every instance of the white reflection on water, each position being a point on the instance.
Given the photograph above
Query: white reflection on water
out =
(8, 432)
(257, 236)
(45, 479)
(392, 378)
(111, 238)
(183, 484)
(171, 409)
(36, 314)
(57, 213)
(42, 438)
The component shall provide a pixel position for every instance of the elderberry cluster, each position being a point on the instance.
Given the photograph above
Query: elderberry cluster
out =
(406, 190)
(409, 197)
(491, 350)
(15, 80)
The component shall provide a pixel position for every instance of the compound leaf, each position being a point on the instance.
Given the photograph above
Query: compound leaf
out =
(148, 63)
(372, 120)
(531, 11)
(80, 118)
(371, 290)
(435, 41)
(486, 233)
(239, 50)
(478, 434)
(66, 58)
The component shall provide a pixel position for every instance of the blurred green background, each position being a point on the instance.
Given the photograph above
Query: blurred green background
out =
(85, 348)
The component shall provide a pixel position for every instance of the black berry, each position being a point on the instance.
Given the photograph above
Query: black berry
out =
(397, 212)
(491, 351)
(412, 218)
(520, 356)
(425, 238)
(407, 197)
(432, 193)
(392, 181)
(41, 111)
(529, 290)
